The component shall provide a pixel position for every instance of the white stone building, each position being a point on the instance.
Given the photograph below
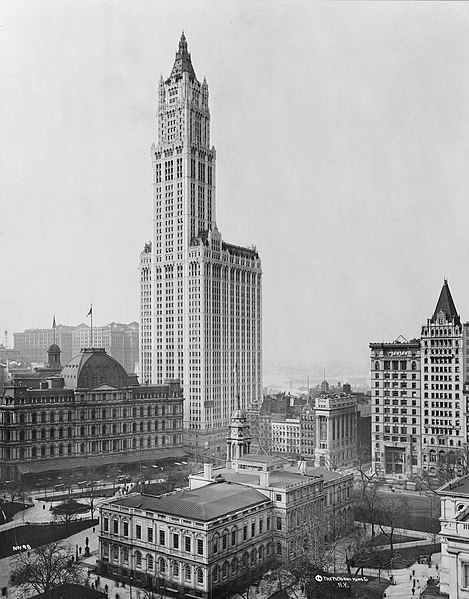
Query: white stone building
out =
(454, 570)
(200, 296)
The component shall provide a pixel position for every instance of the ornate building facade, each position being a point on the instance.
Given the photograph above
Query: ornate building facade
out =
(91, 412)
(200, 296)
(419, 415)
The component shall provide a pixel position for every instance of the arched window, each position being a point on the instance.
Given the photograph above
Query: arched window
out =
(21, 453)
(82, 431)
(150, 562)
(114, 413)
(69, 449)
(61, 416)
(175, 570)
(162, 565)
(93, 430)
(138, 559)
(21, 418)
(200, 576)
(43, 433)
(253, 556)
(43, 416)
(278, 549)
(61, 433)
(52, 417)
(82, 414)
(93, 413)
(224, 571)
(69, 416)
(52, 450)
(215, 575)
(187, 573)
(69, 431)
(21, 435)
(82, 448)
(34, 434)
(103, 413)
(103, 429)
(124, 444)
(124, 427)
(234, 566)
(134, 427)
(34, 452)
(141, 412)
(124, 413)
(43, 451)
(114, 429)
(376, 365)
(134, 412)
(163, 440)
(261, 553)
(52, 433)
(134, 442)
(149, 442)
(149, 411)
(93, 446)
(61, 449)
(141, 441)
(414, 365)
(141, 427)
(34, 418)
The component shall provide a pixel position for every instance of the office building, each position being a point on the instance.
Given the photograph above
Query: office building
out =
(119, 340)
(419, 415)
(200, 296)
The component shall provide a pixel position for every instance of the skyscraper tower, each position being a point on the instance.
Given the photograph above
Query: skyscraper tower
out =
(200, 296)
(443, 435)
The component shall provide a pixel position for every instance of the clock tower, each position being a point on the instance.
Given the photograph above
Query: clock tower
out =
(238, 442)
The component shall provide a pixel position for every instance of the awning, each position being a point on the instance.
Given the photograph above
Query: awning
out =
(58, 464)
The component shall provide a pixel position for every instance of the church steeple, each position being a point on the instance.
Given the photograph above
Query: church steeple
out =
(183, 63)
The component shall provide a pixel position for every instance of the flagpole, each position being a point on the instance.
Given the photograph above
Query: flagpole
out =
(91, 314)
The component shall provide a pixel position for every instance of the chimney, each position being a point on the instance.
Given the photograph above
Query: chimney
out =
(264, 479)
(208, 471)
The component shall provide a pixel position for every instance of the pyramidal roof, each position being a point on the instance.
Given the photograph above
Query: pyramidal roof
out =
(182, 63)
(446, 305)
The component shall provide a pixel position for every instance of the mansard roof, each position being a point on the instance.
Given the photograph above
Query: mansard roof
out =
(446, 305)
(182, 62)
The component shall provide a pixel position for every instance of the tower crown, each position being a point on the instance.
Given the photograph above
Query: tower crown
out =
(446, 306)
(182, 62)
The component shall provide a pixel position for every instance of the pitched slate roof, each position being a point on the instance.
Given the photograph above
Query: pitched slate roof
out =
(205, 503)
(446, 305)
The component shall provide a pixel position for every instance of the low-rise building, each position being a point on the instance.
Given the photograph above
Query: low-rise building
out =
(91, 409)
(204, 540)
(336, 431)
(454, 570)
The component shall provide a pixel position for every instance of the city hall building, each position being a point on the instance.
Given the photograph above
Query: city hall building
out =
(89, 413)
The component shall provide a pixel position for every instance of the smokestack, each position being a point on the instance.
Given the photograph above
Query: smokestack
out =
(208, 471)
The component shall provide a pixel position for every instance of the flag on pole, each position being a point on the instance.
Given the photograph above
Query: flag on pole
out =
(53, 322)
(91, 311)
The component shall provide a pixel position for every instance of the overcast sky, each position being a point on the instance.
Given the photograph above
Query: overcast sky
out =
(342, 137)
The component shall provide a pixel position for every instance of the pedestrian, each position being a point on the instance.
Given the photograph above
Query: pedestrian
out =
(413, 591)
(80, 550)
(413, 572)
(410, 576)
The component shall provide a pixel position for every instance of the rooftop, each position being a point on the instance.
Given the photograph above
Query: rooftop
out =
(457, 486)
(205, 503)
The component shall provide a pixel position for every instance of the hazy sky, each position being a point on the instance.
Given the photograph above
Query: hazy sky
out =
(342, 137)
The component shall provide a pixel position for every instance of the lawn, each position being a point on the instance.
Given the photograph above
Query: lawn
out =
(10, 509)
(35, 535)
(383, 539)
(404, 556)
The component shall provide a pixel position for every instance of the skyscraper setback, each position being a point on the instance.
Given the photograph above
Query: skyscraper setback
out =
(200, 296)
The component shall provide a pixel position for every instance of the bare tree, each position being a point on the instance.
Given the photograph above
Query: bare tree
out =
(392, 512)
(367, 497)
(44, 568)
(14, 490)
(66, 512)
